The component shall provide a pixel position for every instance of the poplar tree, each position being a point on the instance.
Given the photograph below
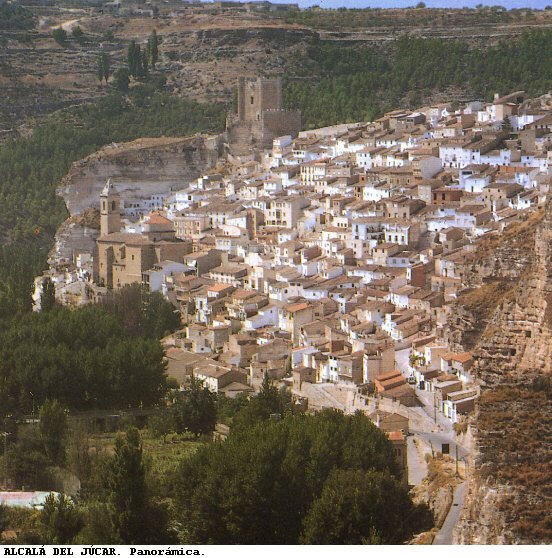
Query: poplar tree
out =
(133, 58)
(104, 67)
(127, 486)
(153, 48)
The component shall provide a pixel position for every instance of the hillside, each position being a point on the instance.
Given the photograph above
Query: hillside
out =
(204, 50)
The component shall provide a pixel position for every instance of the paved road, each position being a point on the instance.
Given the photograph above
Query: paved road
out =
(444, 536)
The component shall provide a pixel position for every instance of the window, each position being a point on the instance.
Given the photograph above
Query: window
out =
(252, 99)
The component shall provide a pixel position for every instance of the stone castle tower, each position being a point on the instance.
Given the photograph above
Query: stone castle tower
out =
(256, 96)
(260, 116)
(110, 210)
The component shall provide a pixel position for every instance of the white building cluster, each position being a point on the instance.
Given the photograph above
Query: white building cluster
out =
(319, 259)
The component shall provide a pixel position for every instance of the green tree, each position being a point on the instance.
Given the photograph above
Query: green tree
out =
(161, 425)
(133, 59)
(16, 17)
(506, 125)
(60, 519)
(143, 66)
(127, 485)
(98, 528)
(195, 410)
(104, 67)
(78, 35)
(60, 36)
(53, 430)
(141, 312)
(153, 48)
(135, 517)
(48, 295)
(363, 507)
(26, 462)
(269, 402)
(121, 80)
(260, 484)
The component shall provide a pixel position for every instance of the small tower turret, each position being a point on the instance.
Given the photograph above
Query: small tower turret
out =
(110, 209)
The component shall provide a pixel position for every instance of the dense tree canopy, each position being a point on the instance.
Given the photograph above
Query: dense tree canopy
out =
(260, 484)
(362, 507)
(361, 83)
(80, 357)
(14, 17)
(141, 313)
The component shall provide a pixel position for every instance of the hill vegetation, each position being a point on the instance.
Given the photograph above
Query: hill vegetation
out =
(360, 83)
(361, 18)
(16, 18)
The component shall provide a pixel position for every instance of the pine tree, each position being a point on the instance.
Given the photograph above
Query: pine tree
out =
(196, 410)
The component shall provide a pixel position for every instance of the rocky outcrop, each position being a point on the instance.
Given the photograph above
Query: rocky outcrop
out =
(139, 168)
(510, 485)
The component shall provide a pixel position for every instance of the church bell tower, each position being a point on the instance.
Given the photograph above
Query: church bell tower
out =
(110, 210)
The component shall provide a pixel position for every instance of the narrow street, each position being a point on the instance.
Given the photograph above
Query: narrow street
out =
(444, 536)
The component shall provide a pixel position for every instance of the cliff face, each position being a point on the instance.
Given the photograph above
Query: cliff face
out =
(510, 485)
(139, 169)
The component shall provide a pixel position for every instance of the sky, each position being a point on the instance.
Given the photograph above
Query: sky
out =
(537, 4)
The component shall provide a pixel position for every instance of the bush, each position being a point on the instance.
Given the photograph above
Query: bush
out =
(60, 36)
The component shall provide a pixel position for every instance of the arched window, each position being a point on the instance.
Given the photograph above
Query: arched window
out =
(113, 204)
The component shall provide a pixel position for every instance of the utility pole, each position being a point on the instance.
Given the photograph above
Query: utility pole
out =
(456, 460)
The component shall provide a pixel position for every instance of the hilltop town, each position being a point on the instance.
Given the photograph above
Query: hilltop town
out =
(331, 261)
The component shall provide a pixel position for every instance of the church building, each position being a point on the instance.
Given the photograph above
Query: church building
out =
(122, 257)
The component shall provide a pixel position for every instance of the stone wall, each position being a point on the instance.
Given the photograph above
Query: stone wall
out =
(278, 123)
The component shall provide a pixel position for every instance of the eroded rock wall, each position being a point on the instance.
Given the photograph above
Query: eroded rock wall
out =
(510, 485)
(139, 169)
